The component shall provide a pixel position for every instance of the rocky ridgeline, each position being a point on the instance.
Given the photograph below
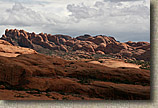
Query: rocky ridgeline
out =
(93, 45)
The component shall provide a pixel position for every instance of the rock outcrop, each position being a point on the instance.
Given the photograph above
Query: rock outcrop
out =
(87, 43)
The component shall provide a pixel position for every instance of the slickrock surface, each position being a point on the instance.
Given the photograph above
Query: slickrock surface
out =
(8, 50)
(36, 77)
(114, 63)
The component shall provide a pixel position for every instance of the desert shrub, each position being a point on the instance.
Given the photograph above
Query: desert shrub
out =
(145, 66)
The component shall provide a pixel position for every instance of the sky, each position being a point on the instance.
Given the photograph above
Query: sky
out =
(123, 19)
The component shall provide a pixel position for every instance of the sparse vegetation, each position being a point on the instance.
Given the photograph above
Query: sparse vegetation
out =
(144, 64)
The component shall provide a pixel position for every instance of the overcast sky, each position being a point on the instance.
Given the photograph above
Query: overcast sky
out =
(123, 19)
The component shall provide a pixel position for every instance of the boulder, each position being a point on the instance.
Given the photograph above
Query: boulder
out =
(83, 38)
(143, 56)
(100, 52)
(62, 40)
(131, 43)
(37, 39)
(53, 39)
(77, 47)
(63, 48)
(44, 36)
(126, 53)
(88, 48)
(101, 47)
(69, 43)
(110, 48)
(98, 40)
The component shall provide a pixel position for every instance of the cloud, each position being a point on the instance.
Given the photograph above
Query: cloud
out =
(99, 4)
(27, 1)
(81, 11)
(123, 19)
(101, 9)
(121, 0)
(19, 15)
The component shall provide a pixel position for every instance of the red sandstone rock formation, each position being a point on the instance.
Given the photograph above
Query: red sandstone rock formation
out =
(38, 74)
(24, 42)
(8, 50)
(87, 43)
(69, 43)
(100, 52)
